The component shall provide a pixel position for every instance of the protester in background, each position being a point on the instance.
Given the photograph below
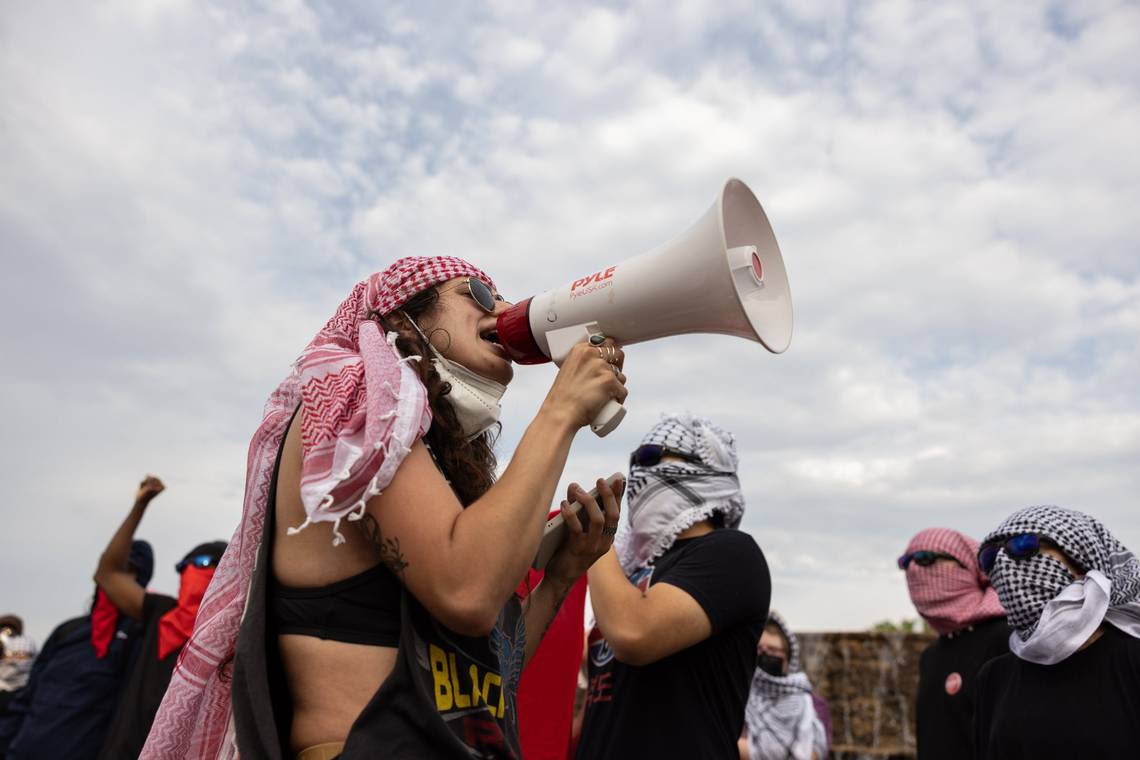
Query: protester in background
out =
(17, 652)
(1070, 687)
(384, 432)
(67, 706)
(165, 623)
(679, 606)
(955, 598)
(781, 720)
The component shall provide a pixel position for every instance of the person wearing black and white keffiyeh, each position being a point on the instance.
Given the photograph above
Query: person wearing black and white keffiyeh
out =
(680, 603)
(672, 496)
(781, 718)
(1070, 686)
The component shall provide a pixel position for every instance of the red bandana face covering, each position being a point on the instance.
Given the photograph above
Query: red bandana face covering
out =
(174, 627)
(104, 617)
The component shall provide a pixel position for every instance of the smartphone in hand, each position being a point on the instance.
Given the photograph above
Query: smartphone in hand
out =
(555, 531)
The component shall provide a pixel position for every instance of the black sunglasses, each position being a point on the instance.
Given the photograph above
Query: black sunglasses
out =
(198, 560)
(1021, 546)
(925, 558)
(480, 292)
(649, 454)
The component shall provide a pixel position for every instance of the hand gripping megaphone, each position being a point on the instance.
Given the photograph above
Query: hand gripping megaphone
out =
(723, 275)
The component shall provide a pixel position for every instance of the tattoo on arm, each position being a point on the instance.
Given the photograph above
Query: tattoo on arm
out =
(390, 554)
(556, 603)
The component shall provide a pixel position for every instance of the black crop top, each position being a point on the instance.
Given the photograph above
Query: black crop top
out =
(362, 609)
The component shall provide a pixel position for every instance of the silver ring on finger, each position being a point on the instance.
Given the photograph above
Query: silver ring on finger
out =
(609, 530)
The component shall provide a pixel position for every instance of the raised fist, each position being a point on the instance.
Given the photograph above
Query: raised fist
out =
(149, 488)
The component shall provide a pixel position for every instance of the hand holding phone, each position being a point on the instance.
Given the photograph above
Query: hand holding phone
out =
(554, 534)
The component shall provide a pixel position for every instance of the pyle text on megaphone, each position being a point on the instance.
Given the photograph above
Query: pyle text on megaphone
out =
(723, 275)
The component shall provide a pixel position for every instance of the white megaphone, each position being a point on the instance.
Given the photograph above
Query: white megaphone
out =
(723, 275)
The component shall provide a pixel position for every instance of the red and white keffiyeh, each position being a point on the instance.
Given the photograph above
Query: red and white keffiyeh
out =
(950, 597)
(362, 408)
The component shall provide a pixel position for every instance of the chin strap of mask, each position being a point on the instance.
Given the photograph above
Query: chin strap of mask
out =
(474, 398)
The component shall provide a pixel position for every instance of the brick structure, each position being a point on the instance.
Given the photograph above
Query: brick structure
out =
(870, 680)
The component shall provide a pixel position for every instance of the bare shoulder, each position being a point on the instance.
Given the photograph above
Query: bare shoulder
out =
(308, 558)
(418, 479)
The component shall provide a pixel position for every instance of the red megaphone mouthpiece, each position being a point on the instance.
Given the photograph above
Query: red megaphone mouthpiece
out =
(516, 337)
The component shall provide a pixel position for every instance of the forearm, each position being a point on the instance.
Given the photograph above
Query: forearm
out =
(541, 606)
(118, 551)
(615, 600)
(500, 532)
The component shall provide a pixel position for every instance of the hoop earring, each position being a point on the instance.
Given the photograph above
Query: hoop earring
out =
(431, 334)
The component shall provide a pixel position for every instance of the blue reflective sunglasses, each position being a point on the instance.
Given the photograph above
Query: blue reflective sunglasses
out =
(198, 560)
(1021, 546)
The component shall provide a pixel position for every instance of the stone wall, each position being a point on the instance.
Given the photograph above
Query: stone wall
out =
(870, 681)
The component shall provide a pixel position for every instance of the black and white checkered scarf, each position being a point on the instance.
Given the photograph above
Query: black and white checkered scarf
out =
(1052, 612)
(780, 714)
(670, 497)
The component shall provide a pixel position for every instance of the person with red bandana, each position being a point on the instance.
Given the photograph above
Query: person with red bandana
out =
(73, 690)
(956, 599)
(165, 622)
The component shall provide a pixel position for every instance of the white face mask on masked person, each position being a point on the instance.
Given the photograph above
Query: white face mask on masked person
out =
(474, 398)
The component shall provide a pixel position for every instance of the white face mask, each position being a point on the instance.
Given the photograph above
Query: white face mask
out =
(474, 398)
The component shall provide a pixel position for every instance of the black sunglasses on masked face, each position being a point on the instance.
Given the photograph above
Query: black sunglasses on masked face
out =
(650, 454)
(924, 558)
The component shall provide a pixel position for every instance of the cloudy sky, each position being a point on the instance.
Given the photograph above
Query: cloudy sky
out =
(189, 189)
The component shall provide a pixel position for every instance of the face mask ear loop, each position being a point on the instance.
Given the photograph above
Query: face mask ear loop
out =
(420, 332)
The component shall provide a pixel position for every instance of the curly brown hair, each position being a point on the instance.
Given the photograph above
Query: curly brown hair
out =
(468, 464)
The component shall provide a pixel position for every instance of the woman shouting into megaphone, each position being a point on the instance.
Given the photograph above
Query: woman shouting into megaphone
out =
(391, 629)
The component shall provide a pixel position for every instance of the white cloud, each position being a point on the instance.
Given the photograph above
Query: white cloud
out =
(190, 189)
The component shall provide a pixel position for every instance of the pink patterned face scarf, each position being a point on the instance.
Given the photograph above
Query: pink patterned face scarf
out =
(950, 597)
(361, 409)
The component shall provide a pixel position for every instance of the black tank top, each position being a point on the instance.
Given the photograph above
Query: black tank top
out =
(448, 696)
(363, 609)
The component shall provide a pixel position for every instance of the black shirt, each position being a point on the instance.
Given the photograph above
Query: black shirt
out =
(947, 672)
(1086, 706)
(691, 703)
(146, 685)
(72, 694)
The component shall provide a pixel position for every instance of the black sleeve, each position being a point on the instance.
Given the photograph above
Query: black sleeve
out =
(728, 576)
(156, 605)
(12, 717)
(923, 676)
(997, 641)
(982, 709)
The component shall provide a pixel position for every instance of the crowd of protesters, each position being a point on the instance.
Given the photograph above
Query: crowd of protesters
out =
(399, 627)
(1038, 653)
(95, 686)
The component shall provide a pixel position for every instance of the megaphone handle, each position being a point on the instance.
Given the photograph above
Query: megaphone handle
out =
(608, 419)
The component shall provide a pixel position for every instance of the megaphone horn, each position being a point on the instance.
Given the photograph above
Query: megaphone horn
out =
(723, 275)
